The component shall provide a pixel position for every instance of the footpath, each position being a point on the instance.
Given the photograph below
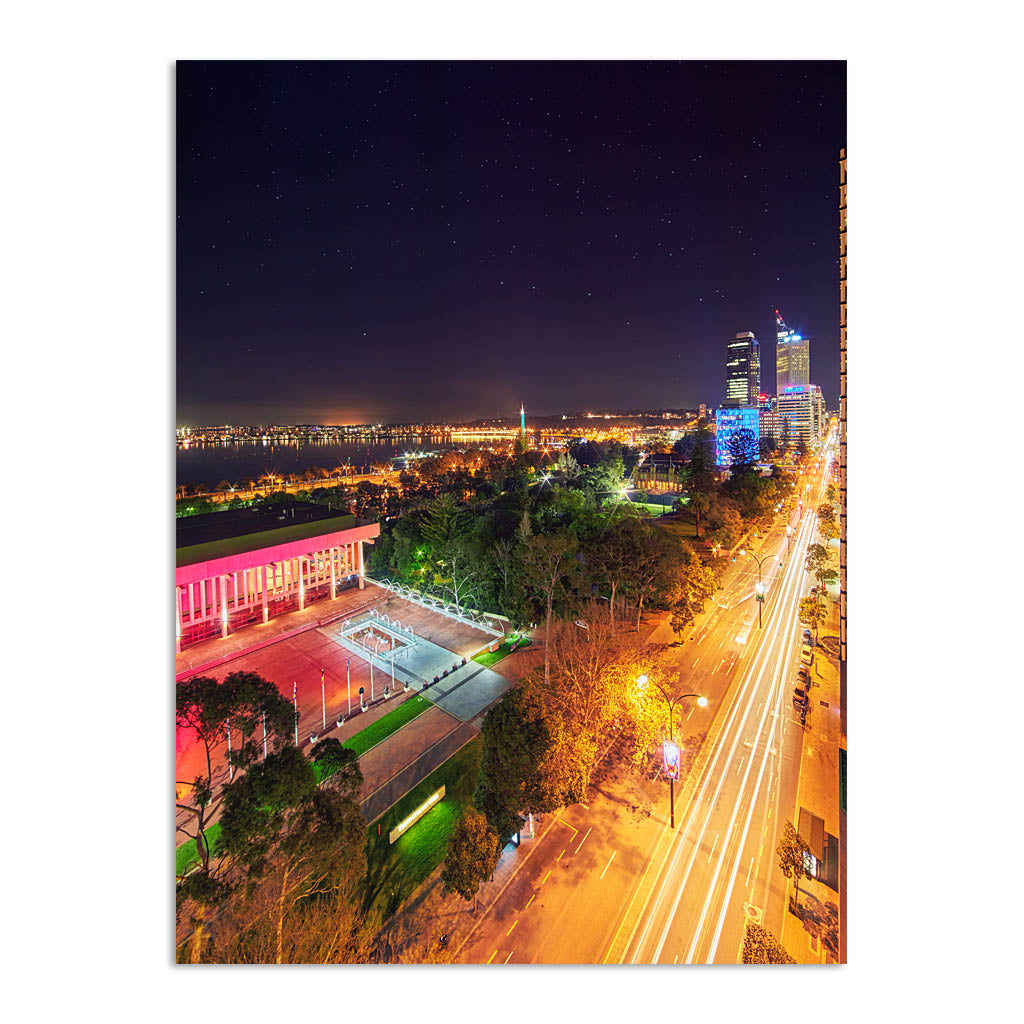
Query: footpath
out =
(810, 929)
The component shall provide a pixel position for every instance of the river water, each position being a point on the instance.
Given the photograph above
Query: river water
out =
(235, 460)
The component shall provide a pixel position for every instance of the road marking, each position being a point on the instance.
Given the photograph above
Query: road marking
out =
(576, 831)
(688, 716)
(532, 898)
(675, 959)
(492, 956)
(739, 767)
(546, 877)
(713, 845)
(560, 856)
(509, 957)
(747, 882)
(509, 932)
(583, 840)
(695, 663)
(609, 864)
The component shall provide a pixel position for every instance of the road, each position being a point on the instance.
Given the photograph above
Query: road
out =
(635, 890)
(719, 870)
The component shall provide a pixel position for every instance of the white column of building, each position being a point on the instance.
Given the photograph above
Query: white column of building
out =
(202, 600)
(302, 584)
(224, 604)
(191, 606)
(263, 590)
(362, 582)
(334, 554)
(245, 587)
(177, 619)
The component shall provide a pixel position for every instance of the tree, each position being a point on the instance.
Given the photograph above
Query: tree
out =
(547, 560)
(299, 849)
(339, 765)
(812, 614)
(516, 740)
(443, 522)
(243, 702)
(801, 448)
(793, 851)
(767, 447)
(700, 504)
(818, 563)
(694, 586)
(761, 947)
(828, 522)
(473, 851)
(743, 450)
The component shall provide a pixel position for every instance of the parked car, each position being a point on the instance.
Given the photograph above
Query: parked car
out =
(805, 655)
(807, 637)
(803, 678)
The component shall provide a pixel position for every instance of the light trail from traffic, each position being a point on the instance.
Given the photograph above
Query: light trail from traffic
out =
(721, 812)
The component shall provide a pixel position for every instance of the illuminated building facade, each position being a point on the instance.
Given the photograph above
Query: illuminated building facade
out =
(802, 409)
(729, 421)
(768, 417)
(244, 566)
(742, 371)
(792, 357)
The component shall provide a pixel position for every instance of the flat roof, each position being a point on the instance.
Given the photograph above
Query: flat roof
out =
(212, 535)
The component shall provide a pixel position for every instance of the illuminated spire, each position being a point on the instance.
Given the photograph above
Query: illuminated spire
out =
(522, 419)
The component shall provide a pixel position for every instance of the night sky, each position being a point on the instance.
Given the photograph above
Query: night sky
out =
(403, 241)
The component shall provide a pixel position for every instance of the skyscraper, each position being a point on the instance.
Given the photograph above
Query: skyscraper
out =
(801, 408)
(792, 357)
(742, 372)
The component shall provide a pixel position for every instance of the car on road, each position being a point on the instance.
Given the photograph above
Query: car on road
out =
(807, 637)
(806, 656)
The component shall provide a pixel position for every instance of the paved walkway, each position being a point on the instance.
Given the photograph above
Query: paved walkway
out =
(391, 755)
(388, 794)
(815, 938)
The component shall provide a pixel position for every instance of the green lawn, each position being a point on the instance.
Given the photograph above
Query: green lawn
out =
(487, 659)
(384, 727)
(186, 855)
(682, 525)
(394, 872)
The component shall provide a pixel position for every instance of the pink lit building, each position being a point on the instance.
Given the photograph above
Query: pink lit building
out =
(244, 566)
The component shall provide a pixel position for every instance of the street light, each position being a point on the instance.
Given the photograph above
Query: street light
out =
(759, 587)
(702, 701)
(789, 534)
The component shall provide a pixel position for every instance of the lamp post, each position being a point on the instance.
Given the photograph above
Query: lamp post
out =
(789, 534)
(759, 587)
(702, 701)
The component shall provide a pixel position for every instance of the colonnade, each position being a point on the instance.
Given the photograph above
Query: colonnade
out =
(270, 587)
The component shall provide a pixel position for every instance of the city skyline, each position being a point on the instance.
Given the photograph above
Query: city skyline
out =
(586, 233)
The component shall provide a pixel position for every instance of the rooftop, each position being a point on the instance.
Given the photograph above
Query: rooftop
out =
(236, 531)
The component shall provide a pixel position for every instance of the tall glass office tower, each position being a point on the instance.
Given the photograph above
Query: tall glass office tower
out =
(792, 357)
(742, 371)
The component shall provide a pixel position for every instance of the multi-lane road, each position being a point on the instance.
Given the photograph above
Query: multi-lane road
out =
(638, 891)
(718, 870)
